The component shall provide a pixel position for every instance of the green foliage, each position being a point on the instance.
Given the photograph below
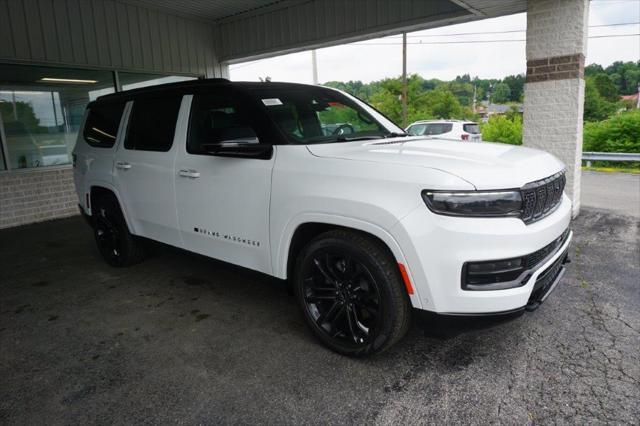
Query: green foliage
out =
(516, 86)
(501, 93)
(625, 75)
(500, 128)
(26, 117)
(596, 106)
(605, 87)
(437, 103)
(620, 133)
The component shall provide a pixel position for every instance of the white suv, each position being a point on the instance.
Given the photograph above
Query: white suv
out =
(446, 129)
(364, 221)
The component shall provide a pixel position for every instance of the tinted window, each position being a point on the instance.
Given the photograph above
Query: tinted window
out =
(101, 127)
(437, 128)
(152, 123)
(317, 115)
(215, 119)
(471, 128)
(417, 130)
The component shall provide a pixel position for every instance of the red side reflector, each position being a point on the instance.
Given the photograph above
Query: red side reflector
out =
(405, 278)
(465, 137)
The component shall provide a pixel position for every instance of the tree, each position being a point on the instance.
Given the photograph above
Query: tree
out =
(605, 87)
(596, 107)
(593, 69)
(516, 86)
(501, 93)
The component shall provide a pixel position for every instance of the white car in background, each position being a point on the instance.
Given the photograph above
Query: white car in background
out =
(459, 130)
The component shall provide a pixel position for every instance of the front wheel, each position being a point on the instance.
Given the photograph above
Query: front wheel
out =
(351, 293)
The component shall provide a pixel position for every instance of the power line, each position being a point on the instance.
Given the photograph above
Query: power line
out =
(472, 41)
(505, 32)
(479, 41)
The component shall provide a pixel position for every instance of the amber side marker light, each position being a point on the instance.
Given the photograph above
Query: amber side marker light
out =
(405, 278)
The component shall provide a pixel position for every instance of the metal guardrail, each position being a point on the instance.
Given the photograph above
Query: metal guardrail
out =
(609, 156)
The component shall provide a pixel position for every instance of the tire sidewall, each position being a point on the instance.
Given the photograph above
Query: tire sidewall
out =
(385, 324)
(114, 214)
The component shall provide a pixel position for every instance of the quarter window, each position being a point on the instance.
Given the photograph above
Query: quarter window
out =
(101, 127)
(152, 123)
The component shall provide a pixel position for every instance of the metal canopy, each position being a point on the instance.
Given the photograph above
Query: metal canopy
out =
(253, 29)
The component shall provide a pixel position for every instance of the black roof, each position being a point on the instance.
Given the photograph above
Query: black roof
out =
(183, 87)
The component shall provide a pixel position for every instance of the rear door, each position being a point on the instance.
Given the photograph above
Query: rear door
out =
(223, 202)
(143, 170)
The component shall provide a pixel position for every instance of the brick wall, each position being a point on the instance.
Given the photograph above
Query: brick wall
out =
(554, 88)
(36, 195)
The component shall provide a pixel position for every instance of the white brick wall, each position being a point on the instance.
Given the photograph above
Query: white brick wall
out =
(553, 122)
(553, 108)
(556, 27)
(36, 195)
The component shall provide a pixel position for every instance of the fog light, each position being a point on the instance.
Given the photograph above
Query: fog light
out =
(492, 275)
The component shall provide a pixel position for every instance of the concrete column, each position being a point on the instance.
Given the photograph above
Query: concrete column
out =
(554, 88)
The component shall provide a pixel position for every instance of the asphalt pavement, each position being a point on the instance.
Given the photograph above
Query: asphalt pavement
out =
(185, 339)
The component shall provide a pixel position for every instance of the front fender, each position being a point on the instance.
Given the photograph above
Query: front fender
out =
(284, 243)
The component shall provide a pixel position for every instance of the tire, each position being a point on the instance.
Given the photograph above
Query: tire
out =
(351, 293)
(116, 244)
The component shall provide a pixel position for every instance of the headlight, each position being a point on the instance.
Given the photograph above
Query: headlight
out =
(474, 203)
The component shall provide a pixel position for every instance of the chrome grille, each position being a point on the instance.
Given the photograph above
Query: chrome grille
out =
(541, 197)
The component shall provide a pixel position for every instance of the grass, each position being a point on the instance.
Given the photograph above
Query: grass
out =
(632, 170)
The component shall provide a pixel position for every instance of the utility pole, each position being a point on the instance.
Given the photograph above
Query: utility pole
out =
(404, 80)
(475, 92)
(314, 64)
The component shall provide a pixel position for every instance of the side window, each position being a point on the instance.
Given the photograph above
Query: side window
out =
(438, 128)
(217, 119)
(101, 127)
(152, 123)
(416, 130)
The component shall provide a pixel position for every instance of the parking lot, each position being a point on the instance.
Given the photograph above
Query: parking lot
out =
(182, 338)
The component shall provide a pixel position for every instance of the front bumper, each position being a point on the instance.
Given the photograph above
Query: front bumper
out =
(436, 247)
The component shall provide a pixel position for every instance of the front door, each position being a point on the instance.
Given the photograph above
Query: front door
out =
(223, 202)
(143, 170)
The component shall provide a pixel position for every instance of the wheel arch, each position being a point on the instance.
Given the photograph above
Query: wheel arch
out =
(97, 189)
(307, 228)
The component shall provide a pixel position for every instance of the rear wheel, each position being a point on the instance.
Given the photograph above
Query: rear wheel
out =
(115, 243)
(351, 293)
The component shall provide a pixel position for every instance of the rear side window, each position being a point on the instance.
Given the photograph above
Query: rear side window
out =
(437, 128)
(152, 123)
(101, 127)
(416, 130)
(471, 128)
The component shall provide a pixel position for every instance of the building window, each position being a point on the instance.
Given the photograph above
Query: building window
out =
(130, 80)
(41, 109)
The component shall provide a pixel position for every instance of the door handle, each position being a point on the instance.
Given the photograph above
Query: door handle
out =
(189, 173)
(123, 165)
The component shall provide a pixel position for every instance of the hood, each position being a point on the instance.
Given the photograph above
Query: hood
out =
(485, 165)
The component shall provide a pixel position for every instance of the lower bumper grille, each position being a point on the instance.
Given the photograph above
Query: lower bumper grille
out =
(547, 281)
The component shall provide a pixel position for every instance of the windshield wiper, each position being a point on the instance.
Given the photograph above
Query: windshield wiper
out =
(397, 135)
(357, 138)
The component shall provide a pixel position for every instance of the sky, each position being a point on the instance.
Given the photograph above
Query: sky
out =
(368, 61)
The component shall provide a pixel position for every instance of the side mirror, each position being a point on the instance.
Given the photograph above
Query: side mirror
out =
(239, 142)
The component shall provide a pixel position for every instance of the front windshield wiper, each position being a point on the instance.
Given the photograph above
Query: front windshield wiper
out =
(357, 138)
(397, 135)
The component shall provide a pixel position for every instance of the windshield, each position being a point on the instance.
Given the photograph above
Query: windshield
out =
(319, 115)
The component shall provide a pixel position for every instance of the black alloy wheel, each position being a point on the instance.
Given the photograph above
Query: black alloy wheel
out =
(116, 244)
(342, 296)
(350, 290)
